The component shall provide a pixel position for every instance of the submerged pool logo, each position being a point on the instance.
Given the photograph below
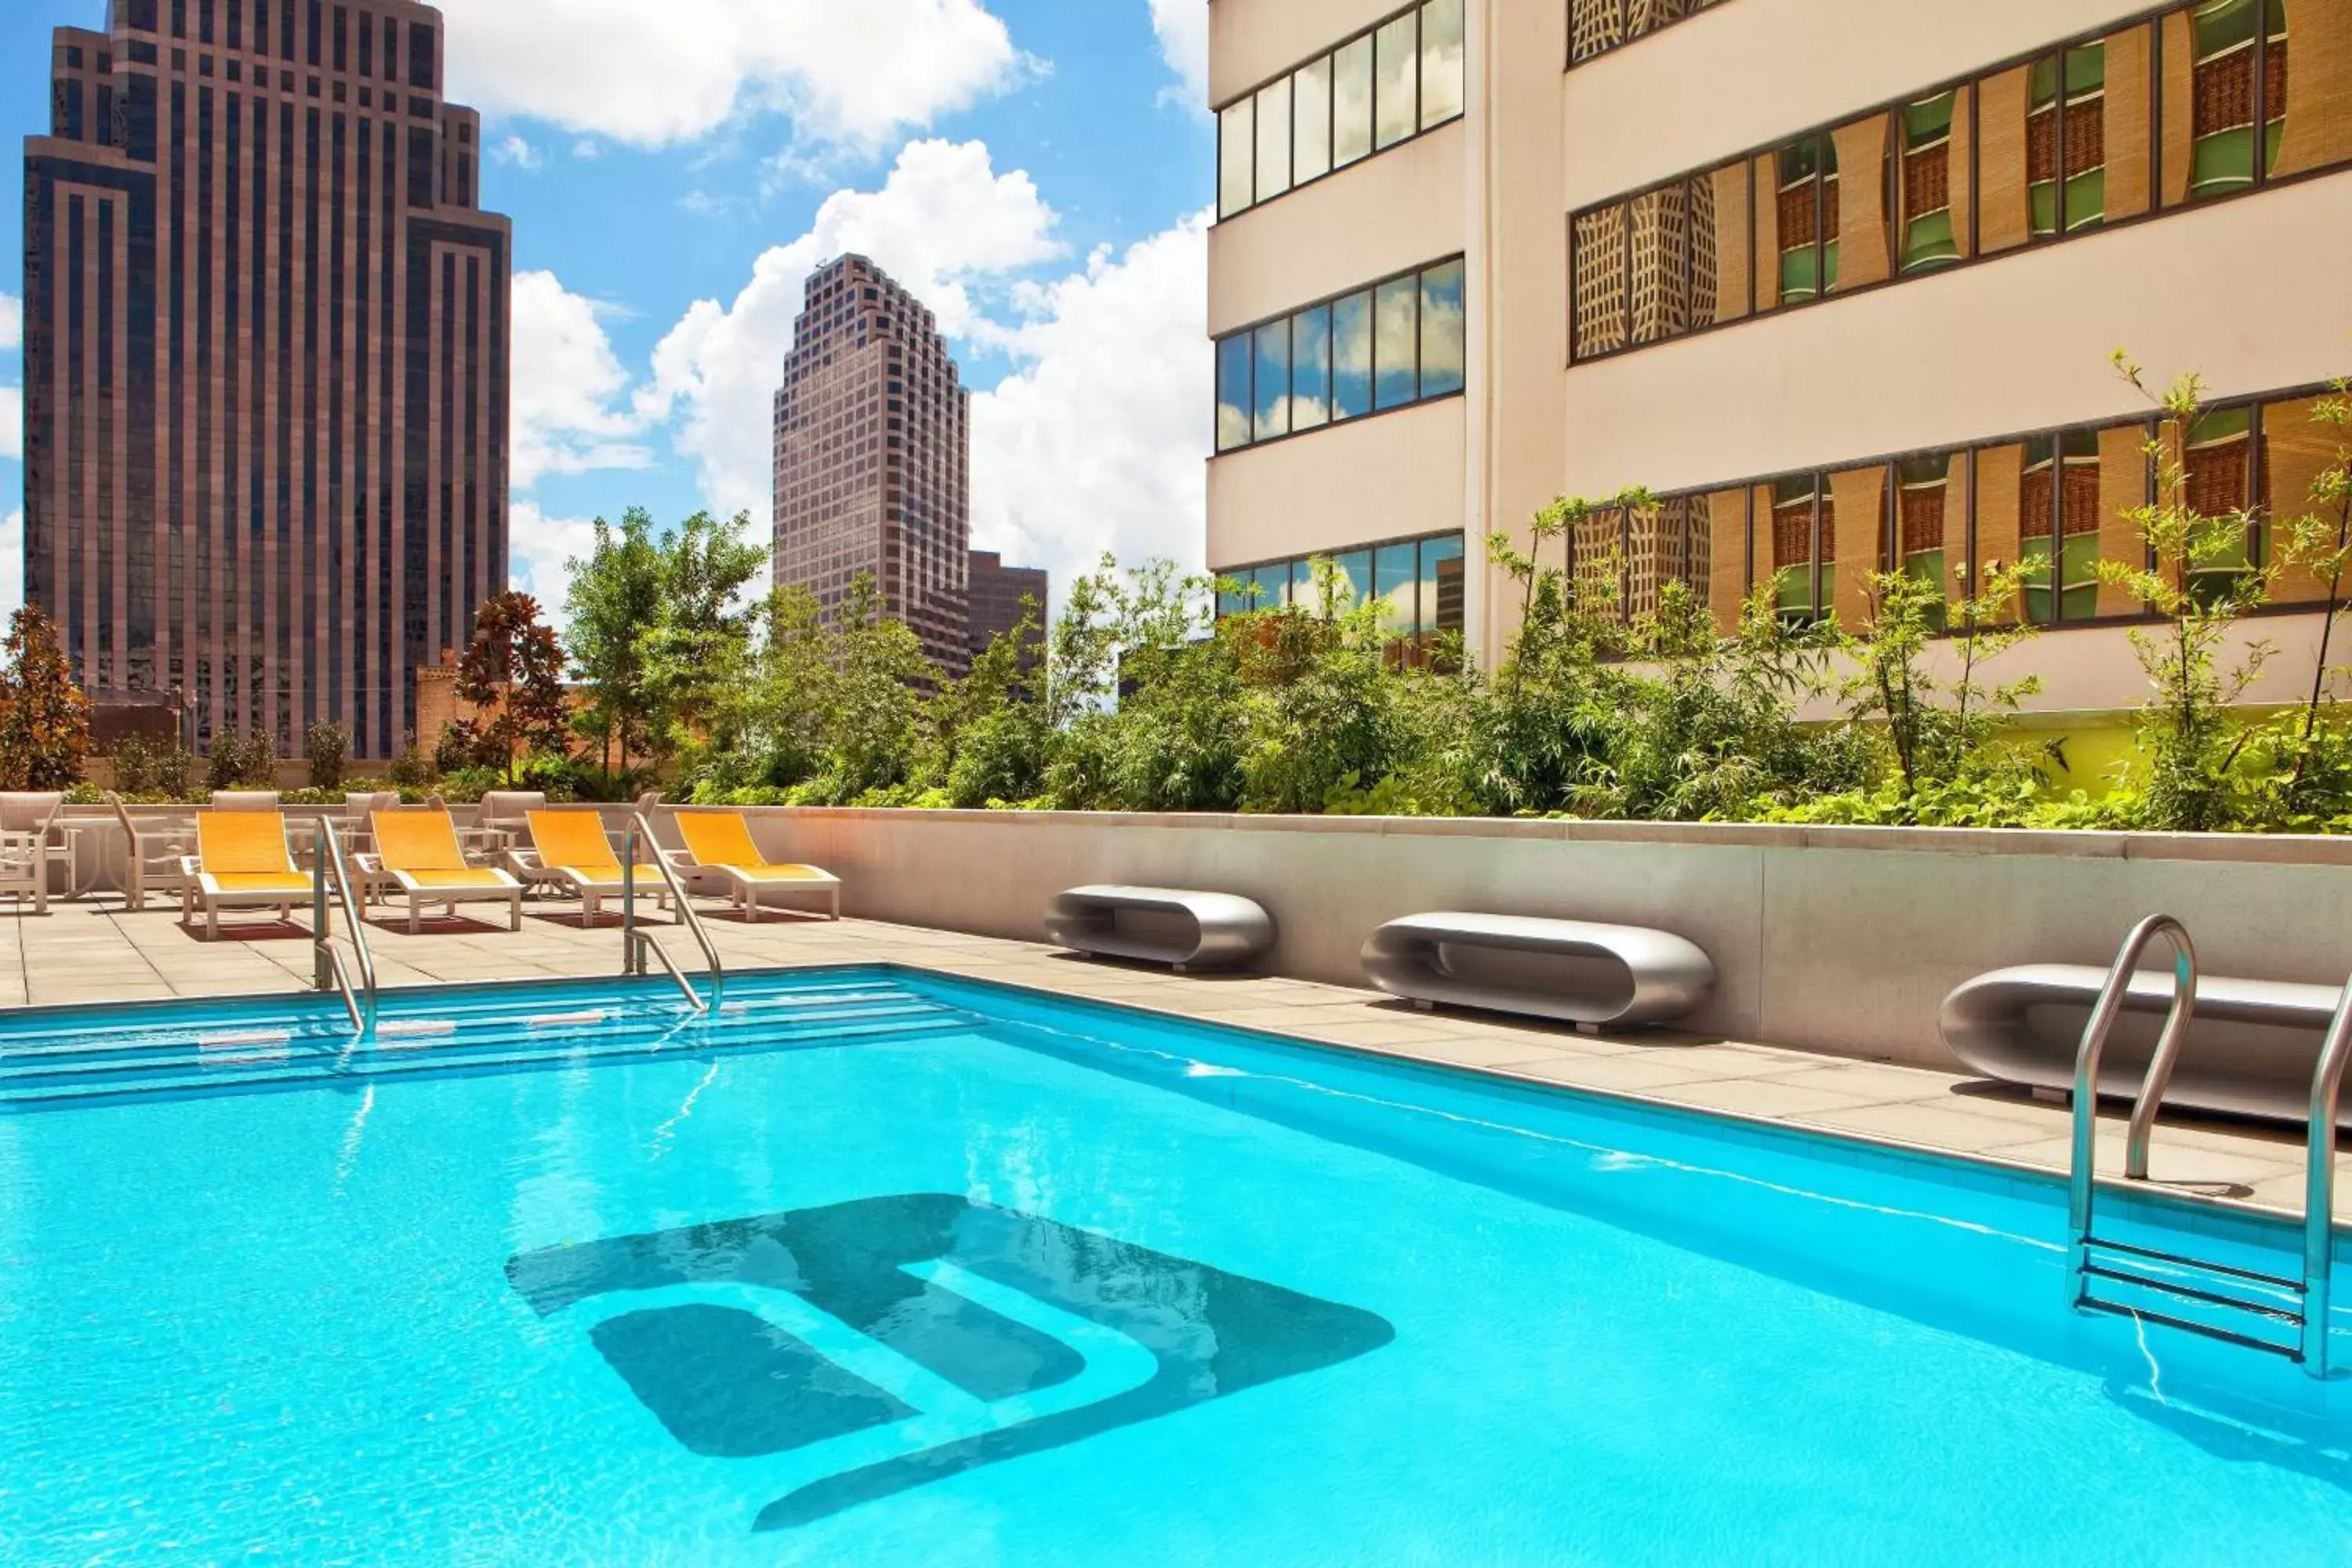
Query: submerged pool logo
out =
(902, 1339)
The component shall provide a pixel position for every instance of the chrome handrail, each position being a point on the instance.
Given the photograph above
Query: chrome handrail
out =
(329, 853)
(640, 828)
(2082, 1170)
(2319, 1186)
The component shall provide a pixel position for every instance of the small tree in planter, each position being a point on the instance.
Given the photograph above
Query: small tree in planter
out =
(44, 716)
(327, 747)
(512, 675)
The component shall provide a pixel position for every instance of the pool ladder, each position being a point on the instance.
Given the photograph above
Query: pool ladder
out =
(638, 943)
(2094, 1259)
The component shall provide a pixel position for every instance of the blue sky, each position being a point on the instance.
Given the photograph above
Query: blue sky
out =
(1035, 169)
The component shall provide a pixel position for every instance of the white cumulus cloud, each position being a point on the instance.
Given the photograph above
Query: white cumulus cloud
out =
(944, 224)
(520, 154)
(569, 412)
(12, 321)
(12, 422)
(658, 74)
(1183, 29)
(1098, 440)
(537, 548)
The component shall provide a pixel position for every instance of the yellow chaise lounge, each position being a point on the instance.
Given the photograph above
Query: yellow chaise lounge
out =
(569, 849)
(417, 852)
(719, 842)
(242, 862)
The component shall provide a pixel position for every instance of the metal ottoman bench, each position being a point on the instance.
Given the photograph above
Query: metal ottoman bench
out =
(1186, 928)
(1582, 973)
(2249, 1050)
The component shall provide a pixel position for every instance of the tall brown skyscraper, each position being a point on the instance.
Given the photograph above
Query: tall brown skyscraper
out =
(266, 352)
(873, 435)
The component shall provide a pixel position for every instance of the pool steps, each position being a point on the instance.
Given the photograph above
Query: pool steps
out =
(100, 1058)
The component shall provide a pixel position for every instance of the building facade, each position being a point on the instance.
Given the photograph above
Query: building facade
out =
(266, 362)
(997, 594)
(1473, 255)
(873, 441)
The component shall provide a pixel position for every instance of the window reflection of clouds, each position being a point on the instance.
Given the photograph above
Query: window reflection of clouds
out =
(1351, 102)
(1395, 354)
(1396, 100)
(1440, 62)
(1311, 114)
(1441, 330)
(1274, 379)
(1310, 386)
(1236, 154)
(1351, 355)
(1396, 583)
(1233, 394)
(1274, 139)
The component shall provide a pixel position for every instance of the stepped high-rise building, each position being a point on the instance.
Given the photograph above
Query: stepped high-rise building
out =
(265, 361)
(873, 436)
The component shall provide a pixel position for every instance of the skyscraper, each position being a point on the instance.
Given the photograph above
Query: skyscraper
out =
(266, 358)
(1000, 594)
(873, 432)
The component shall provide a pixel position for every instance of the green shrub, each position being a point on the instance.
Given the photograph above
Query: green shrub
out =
(327, 747)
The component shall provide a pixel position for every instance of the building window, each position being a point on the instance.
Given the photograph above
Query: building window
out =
(1382, 88)
(2240, 77)
(1399, 343)
(2076, 120)
(1923, 509)
(2218, 465)
(1805, 219)
(1803, 541)
(2058, 521)
(1929, 239)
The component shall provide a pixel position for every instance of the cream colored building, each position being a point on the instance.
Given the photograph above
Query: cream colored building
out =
(1810, 270)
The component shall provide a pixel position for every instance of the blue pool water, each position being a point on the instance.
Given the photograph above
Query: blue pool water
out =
(884, 1268)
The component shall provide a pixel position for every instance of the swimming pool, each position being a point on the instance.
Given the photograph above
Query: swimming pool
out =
(885, 1268)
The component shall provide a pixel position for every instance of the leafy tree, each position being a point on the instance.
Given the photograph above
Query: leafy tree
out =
(615, 597)
(699, 642)
(512, 677)
(991, 726)
(44, 716)
(874, 702)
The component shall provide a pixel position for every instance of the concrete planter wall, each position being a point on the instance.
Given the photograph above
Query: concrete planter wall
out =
(1836, 939)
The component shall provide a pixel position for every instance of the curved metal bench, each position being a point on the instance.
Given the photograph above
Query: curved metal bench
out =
(2249, 1051)
(1624, 975)
(1186, 928)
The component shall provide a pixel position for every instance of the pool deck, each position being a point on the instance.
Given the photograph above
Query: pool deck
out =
(92, 951)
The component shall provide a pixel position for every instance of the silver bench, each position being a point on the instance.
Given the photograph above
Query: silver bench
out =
(1164, 925)
(1566, 970)
(2250, 1048)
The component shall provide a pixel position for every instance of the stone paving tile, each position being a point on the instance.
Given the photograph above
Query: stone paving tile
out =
(1617, 1074)
(1931, 1126)
(1765, 1095)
